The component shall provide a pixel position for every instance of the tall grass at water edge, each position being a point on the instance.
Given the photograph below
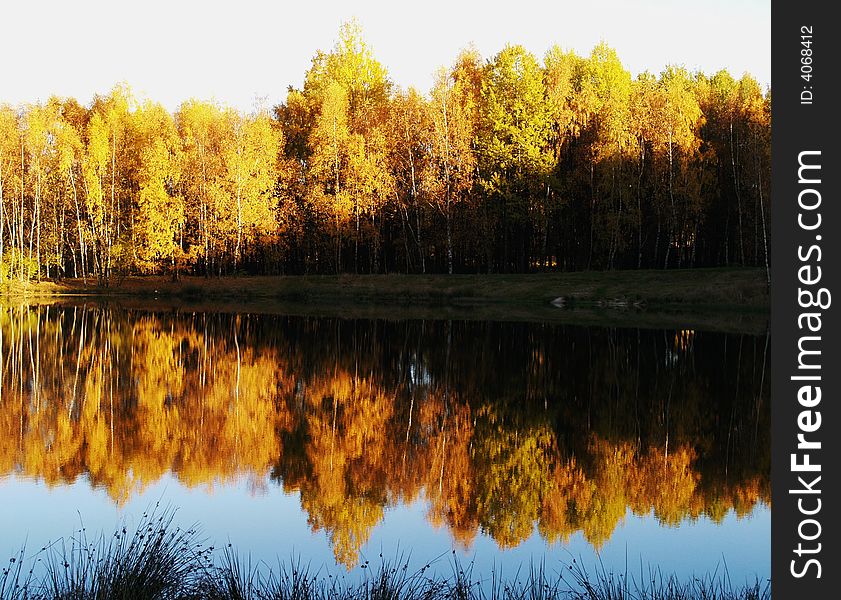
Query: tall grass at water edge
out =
(161, 561)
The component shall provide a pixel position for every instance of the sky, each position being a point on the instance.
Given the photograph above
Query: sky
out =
(246, 53)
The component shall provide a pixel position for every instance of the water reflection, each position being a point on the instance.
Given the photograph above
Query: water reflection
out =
(499, 427)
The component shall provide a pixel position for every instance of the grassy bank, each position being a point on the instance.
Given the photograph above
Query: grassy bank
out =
(160, 561)
(730, 300)
(744, 289)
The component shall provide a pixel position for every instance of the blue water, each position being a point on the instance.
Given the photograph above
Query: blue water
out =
(269, 525)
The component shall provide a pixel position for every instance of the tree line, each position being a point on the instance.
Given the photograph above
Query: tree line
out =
(506, 165)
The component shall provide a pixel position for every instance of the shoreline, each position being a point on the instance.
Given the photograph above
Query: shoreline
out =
(729, 300)
(723, 289)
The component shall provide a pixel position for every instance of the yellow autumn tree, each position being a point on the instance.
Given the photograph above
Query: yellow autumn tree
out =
(450, 170)
(11, 237)
(251, 161)
(204, 131)
(160, 210)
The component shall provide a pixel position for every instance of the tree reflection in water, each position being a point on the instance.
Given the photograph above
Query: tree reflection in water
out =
(499, 427)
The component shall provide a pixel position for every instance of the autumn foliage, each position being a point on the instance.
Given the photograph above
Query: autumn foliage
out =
(508, 164)
(497, 427)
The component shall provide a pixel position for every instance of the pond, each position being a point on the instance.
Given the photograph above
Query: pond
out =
(337, 440)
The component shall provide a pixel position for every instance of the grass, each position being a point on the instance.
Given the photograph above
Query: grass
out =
(157, 560)
(731, 300)
(160, 561)
(725, 288)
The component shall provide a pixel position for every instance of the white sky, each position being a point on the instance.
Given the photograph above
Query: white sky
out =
(235, 52)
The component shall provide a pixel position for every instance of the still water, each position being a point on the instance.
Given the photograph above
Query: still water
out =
(337, 440)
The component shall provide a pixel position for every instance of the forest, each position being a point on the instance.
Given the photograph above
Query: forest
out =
(506, 165)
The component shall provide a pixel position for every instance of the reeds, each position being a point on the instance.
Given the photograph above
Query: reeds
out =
(652, 584)
(161, 561)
